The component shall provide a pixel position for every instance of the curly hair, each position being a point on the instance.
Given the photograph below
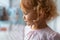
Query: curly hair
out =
(47, 7)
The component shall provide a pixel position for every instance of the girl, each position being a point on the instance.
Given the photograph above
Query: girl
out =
(36, 15)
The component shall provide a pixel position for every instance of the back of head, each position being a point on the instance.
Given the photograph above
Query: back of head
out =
(48, 7)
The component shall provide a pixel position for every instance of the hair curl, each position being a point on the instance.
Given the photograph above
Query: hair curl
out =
(47, 7)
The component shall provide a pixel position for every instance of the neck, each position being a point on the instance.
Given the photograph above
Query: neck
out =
(39, 26)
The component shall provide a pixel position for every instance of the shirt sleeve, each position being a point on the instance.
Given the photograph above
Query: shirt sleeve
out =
(55, 36)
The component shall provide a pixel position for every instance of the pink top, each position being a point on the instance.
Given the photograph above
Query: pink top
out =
(42, 34)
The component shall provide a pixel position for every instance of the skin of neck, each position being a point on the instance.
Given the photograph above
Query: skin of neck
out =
(39, 25)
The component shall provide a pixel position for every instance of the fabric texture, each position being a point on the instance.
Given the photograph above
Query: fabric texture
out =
(42, 34)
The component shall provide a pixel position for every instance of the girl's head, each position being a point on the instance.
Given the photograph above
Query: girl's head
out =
(37, 11)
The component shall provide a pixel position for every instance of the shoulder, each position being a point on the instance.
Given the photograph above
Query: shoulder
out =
(36, 34)
(47, 34)
(54, 36)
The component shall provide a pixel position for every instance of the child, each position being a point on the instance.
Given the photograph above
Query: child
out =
(36, 15)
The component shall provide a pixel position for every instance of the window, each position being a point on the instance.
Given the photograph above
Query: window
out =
(4, 3)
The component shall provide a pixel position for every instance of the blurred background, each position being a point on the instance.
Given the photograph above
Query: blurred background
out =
(11, 20)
